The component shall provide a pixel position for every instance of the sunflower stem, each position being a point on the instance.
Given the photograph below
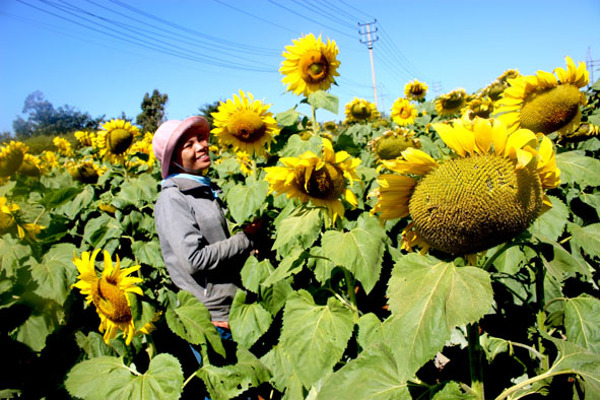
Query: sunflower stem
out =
(475, 365)
(314, 120)
(350, 285)
(540, 273)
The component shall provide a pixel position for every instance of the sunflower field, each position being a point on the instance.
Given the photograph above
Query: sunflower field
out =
(443, 249)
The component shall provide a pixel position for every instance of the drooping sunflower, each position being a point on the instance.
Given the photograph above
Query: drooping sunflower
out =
(360, 110)
(451, 103)
(115, 138)
(245, 163)
(86, 138)
(309, 65)
(392, 143)
(583, 132)
(545, 103)
(415, 90)
(109, 293)
(403, 112)
(10, 222)
(245, 124)
(495, 89)
(480, 106)
(489, 192)
(11, 157)
(319, 180)
(85, 171)
(63, 146)
(31, 166)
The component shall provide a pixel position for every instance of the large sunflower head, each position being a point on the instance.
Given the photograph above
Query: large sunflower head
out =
(415, 90)
(245, 124)
(309, 65)
(109, 292)
(403, 112)
(115, 138)
(491, 190)
(392, 143)
(321, 180)
(11, 157)
(360, 110)
(451, 103)
(545, 102)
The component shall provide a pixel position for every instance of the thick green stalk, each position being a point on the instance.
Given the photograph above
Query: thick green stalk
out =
(475, 365)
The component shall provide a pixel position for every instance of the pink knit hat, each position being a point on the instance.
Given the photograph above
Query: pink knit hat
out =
(168, 134)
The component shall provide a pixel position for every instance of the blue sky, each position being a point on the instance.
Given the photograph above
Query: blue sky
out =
(102, 56)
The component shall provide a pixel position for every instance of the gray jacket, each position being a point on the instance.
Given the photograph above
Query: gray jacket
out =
(199, 252)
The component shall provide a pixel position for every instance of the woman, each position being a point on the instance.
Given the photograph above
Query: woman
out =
(199, 252)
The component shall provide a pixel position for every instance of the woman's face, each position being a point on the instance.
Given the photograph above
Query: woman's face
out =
(192, 152)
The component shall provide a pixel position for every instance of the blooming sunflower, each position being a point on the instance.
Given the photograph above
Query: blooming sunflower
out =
(415, 90)
(320, 180)
(545, 103)
(245, 124)
(86, 138)
(360, 110)
(309, 65)
(392, 143)
(11, 157)
(143, 146)
(451, 103)
(109, 293)
(403, 112)
(115, 138)
(583, 132)
(489, 192)
(49, 159)
(63, 146)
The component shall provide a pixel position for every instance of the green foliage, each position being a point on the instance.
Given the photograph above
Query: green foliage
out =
(153, 111)
(325, 310)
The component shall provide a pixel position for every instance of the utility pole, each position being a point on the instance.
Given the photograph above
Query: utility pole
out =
(590, 64)
(366, 32)
(437, 87)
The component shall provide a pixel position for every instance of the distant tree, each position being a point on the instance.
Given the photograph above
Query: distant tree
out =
(153, 111)
(44, 119)
(5, 136)
(207, 109)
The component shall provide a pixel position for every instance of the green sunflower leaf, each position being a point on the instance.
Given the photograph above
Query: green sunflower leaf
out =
(287, 118)
(56, 197)
(301, 228)
(552, 223)
(284, 377)
(81, 202)
(576, 167)
(108, 378)
(243, 201)
(148, 253)
(249, 321)
(373, 375)
(36, 329)
(255, 272)
(574, 359)
(13, 254)
(99, 231)
(360, 250)
(191, 321)
(581, 322)
(224, 383)
(587, 237)
(55, 274)
(427, 301)
(137, 192)
(324, 100)
(315, 333)
(369, 330)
